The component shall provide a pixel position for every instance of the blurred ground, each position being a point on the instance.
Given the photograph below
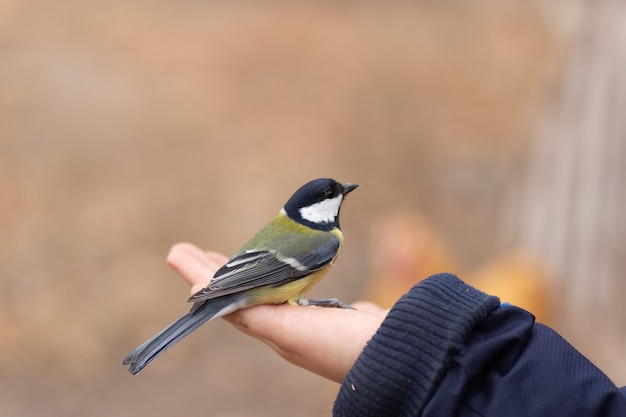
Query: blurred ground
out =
(126, 127)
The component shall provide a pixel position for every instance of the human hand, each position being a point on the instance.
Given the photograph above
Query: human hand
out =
(326, 341)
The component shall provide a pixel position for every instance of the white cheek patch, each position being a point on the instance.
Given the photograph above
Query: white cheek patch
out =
(323, 212)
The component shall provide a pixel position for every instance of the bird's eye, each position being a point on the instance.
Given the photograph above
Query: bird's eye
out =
(328, 192)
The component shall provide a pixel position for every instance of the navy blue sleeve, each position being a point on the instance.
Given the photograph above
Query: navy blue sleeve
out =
(446, 349)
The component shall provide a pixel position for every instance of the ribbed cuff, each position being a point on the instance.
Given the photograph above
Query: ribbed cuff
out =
(401, 365)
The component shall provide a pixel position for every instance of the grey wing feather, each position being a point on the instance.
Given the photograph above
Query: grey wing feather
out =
(254, 268)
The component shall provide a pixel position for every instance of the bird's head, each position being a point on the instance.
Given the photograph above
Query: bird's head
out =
(317, 203)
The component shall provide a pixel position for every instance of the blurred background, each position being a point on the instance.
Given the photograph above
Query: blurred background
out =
(488, 138)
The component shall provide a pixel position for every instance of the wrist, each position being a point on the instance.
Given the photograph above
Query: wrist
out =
(400, 365)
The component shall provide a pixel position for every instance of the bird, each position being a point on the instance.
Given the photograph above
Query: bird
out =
(280, 264)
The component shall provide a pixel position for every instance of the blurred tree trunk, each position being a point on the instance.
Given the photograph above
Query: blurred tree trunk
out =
(573, 213)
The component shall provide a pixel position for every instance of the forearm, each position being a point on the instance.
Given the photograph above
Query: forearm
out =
(513, 366)
(446, 349)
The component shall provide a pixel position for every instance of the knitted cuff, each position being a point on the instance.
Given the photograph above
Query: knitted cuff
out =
(401, 365)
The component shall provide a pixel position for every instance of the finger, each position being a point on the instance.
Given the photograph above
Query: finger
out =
(193, 264)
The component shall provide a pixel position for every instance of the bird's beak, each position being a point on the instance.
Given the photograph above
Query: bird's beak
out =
(349, 187)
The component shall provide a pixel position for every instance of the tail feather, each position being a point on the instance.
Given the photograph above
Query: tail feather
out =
(172, 334)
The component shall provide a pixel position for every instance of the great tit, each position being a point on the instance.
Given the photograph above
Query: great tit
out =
(283, 261)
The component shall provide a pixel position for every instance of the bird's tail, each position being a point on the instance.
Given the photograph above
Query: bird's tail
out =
(201, 312)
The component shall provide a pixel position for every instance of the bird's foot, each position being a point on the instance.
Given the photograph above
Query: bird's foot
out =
(327, 302)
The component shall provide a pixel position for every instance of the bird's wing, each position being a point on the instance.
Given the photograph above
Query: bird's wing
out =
(253, 268)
